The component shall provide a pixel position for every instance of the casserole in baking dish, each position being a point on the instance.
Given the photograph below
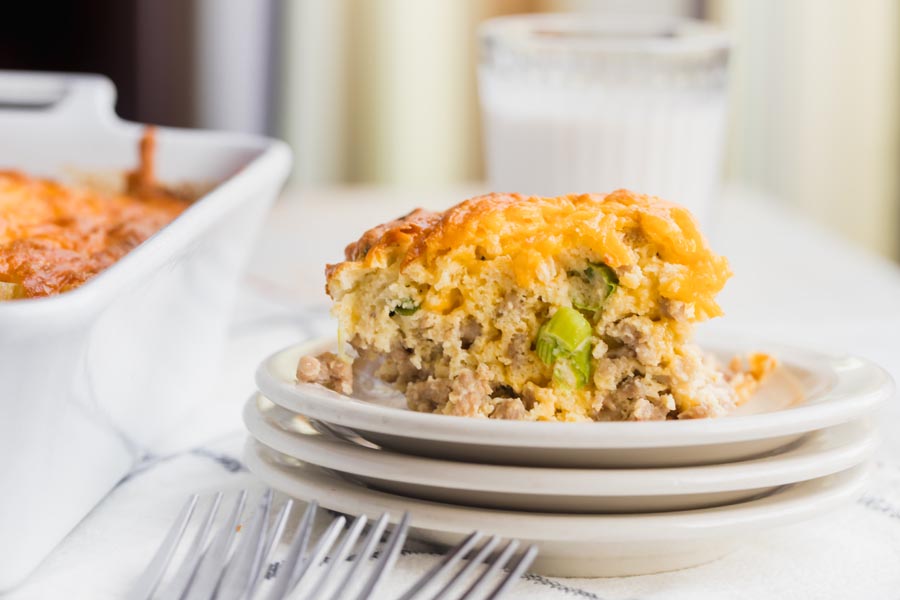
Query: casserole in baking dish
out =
(54, 237)
(96, 377)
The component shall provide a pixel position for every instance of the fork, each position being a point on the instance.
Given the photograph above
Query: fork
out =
(480, 587)
(223, 565)
(217, 565)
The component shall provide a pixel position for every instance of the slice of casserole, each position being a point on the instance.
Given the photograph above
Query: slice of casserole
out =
(506, 306)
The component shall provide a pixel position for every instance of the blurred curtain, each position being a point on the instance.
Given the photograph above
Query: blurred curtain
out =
(815, 110)
(205, 63)
(382, 91)
(234, 64)
(385, 91)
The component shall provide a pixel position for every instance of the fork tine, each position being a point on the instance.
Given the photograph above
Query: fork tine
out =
(277, 531)
(241, 573)
(471, 565)
(387, 559)
(294, 554)
(206, 579)
(151, 576)
(362, 556)
(318, 552)
(261, 544)
(271, 545)
(518, 569)
(340, 554)
(495, 566)
(307, 524)
(443, 566)
(182, 579)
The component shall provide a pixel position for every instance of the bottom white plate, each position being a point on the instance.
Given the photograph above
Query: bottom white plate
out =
(572, 545)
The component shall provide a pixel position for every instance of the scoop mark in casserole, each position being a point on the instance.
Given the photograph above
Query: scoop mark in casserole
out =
(505, 306)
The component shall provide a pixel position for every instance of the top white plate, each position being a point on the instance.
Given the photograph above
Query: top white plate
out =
(809, 391)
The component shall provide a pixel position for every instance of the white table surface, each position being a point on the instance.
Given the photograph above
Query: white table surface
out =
(794, 283)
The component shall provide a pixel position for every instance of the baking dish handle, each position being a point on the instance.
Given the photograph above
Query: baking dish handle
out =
(88, 98)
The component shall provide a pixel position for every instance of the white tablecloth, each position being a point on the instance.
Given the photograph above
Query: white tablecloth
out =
(794, 283)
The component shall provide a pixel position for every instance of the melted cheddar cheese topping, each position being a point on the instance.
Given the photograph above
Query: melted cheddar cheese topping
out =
(54, 237)
(530, 231)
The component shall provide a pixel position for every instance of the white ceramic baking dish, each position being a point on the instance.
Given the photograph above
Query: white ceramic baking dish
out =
(92, 379)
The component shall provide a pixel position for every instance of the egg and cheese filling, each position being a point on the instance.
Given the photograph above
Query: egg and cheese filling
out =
(573, 308)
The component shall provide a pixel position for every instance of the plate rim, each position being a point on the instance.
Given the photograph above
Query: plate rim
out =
(837, 406)
(789, 504)
(855, 443)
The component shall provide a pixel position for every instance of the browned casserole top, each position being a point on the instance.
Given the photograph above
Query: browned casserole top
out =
(54, 237)
(531, 229)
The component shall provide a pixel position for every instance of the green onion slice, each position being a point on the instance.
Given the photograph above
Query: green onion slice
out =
(405, 307)
(597, 283)
(564, 341)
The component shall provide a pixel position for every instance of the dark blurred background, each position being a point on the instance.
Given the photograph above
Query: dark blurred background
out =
(149, 48)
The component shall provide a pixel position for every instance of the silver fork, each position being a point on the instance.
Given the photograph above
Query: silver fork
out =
(217, 565)
(486, 585)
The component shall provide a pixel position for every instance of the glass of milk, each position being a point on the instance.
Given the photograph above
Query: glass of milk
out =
(577, 103)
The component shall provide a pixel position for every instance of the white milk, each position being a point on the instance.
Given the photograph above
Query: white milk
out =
(551, 143)
(558, 122)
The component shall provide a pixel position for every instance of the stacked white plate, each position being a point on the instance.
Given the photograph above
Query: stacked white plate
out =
(599, 499)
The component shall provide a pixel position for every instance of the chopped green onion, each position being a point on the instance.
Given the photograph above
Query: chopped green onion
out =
(564, 341)
(594, 285)
(405, 307)
(11, 291)
(602, 272)
(564, 374)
